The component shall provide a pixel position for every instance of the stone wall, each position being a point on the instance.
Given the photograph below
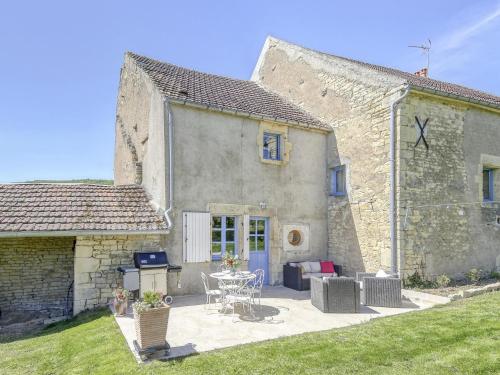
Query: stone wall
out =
(96, 261)
(36, 274)
(444, 227)
(355, 101)
(140, 139)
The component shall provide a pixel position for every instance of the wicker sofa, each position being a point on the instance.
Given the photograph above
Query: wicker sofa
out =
(295, 278)
(335, 294)
(380, 291)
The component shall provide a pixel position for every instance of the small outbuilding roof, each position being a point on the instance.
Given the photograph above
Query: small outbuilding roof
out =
(223, 93)
(33, 209)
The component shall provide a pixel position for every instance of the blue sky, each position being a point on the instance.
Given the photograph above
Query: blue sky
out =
(60, 60)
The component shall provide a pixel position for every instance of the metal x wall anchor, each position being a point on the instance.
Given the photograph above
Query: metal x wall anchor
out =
(422, 132)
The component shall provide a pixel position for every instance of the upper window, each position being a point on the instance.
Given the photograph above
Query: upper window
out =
(271, 146)
(224, 236)
(338, 181)
(488, 184)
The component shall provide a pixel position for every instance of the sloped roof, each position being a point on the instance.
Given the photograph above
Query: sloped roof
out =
(220, 92)
(72, 207)
(424, 83)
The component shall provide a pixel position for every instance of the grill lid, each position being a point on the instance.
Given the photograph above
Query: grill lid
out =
(151, 259)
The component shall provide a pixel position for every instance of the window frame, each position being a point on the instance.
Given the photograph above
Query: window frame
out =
(333, 181)
(223, 236)
(491, 191)
(279, 147)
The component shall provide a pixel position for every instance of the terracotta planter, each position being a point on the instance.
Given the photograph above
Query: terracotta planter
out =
(120, 307)
(151, 327)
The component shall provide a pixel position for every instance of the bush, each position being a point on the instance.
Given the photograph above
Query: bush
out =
(474, 275)
(443, 280)
(495, 275)
(416, 281)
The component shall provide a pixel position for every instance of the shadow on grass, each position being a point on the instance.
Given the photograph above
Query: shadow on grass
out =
(82, 318)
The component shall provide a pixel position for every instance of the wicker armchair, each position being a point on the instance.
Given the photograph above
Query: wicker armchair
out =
(335, 294)
(380, 291)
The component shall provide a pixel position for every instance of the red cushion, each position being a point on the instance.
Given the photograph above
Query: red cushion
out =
(327, 266)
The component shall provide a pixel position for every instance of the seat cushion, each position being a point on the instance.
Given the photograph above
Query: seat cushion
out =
(382, 273)
(327, 266)
(315, 267)
(306, 267)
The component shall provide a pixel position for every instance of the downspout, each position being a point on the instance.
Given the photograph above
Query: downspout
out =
(167, 115)
(392, 198)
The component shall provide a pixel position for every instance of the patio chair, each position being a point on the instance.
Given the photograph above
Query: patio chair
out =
(209, 292)
(335, 295)
(380, 291)
(257, 282)
(242, 295)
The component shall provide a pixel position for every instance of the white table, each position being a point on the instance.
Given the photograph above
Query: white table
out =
(231, 282)
(237, 277)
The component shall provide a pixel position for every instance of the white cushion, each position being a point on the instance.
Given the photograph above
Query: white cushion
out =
(382, 273)
(315, 266)
(293, 264)
(306, 267)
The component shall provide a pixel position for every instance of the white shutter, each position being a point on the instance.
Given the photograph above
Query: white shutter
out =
(246, 237)
(196, 237)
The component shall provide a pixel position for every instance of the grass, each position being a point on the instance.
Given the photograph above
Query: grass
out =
(459, 338)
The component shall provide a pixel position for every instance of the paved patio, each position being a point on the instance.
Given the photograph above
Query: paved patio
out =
(284, 312)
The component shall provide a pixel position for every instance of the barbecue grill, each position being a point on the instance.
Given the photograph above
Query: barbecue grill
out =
(150, 273)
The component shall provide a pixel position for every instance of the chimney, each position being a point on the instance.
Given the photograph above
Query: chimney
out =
(422, 72)
(138, 173)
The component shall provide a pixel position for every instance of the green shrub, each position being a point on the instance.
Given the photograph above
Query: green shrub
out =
(416, 281)
(474, 275)
(443, 280)
(495, 275)
(150, 300)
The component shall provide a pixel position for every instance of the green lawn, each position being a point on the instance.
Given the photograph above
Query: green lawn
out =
(460, 338)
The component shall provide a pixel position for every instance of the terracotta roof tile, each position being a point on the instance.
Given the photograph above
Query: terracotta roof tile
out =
(220, 92)
(68, 207)
(426, 83)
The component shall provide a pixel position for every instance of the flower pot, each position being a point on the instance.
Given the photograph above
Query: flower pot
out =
(151, 327)
(120, 306)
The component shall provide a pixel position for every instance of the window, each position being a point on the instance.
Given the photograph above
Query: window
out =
(271, 146)
(488, 184)
(224, 236)
(338, 181)
(257, 235)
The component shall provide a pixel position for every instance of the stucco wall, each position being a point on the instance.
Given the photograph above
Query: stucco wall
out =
(96, 261)
(355, 101)
(216, 161)
(448, 229)
(36, 274)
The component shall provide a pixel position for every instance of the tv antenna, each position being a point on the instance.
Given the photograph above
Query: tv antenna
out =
(426, 50)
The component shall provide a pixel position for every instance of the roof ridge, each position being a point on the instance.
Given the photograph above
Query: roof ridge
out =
(244, 97)
(400, 73)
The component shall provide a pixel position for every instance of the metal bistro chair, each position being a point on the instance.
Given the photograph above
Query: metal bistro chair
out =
(242, 295)
(257, 282)
(210, 292)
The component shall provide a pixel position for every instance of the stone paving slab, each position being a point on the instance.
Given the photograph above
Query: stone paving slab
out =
(193, 328)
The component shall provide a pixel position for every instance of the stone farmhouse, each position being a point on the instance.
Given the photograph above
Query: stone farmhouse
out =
(316, 157)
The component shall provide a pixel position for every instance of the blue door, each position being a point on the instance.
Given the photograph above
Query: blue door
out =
(259, 246)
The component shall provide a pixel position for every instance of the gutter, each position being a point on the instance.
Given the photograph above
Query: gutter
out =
(392, 173)
(73, 233)
(167, 115)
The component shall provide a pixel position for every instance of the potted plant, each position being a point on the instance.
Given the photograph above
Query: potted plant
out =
(231, 262)
(120, 302)
(151, 321)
